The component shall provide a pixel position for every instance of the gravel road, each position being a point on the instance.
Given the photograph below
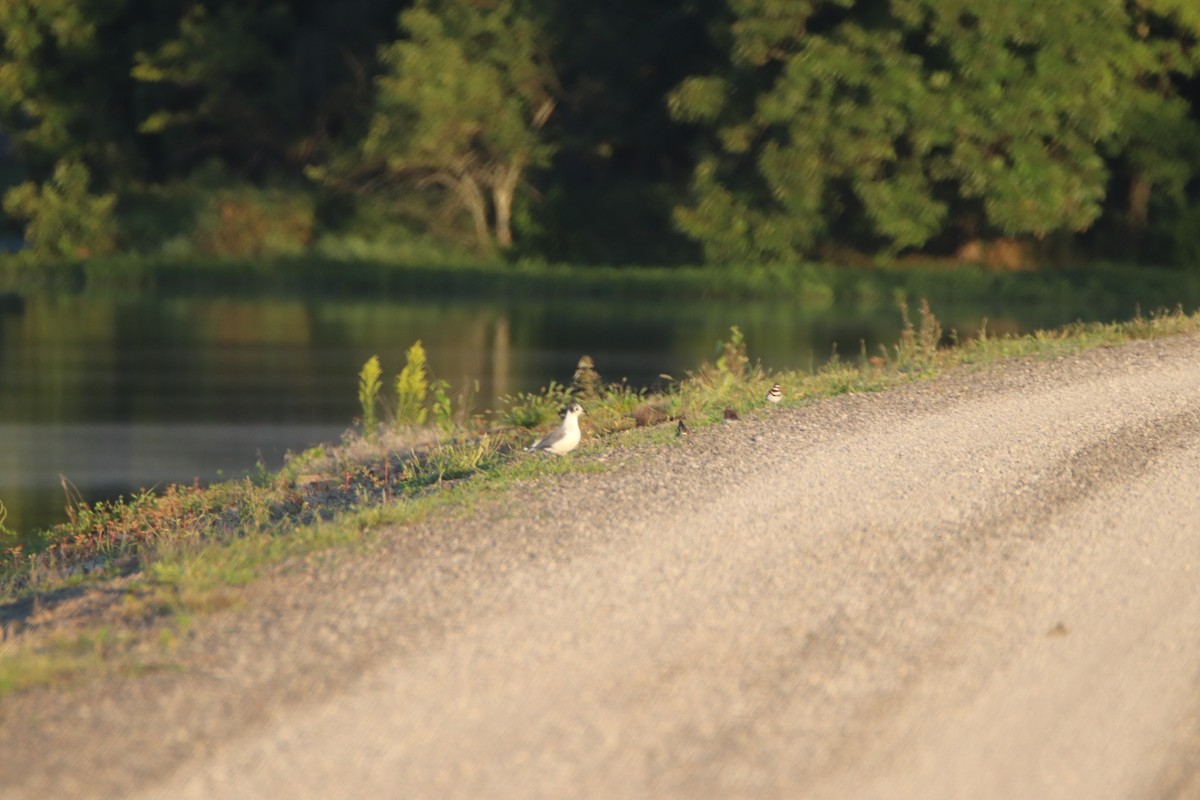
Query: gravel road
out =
(986, 586)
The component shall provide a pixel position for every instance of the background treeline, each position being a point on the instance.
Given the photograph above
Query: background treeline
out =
(619, 132)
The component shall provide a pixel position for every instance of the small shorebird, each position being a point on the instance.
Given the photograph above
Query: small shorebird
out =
(730, 415)
(563, 440)
(681, 429)
(775, 394)
(586, 378)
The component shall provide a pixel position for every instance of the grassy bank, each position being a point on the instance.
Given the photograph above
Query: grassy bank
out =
(162, 559)
(814, 285)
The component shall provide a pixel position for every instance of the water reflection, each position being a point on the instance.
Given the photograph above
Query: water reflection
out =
(116, 392)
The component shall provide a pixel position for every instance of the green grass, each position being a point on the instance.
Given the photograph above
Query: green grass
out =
(190, 549)
(62, 657)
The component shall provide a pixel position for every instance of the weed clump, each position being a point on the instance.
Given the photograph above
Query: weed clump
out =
(412, 388)
(733, 360)
(368, 394)
(529, 410)
(918, 346)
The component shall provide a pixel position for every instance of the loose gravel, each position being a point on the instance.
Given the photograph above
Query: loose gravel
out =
(982, 586)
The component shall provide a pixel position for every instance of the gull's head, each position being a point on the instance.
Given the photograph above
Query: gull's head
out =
(575, 410)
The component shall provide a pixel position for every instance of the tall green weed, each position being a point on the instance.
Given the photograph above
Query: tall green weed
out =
(412, 388)
(368, 395)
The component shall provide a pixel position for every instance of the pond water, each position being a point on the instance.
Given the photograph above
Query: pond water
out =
(101, 395)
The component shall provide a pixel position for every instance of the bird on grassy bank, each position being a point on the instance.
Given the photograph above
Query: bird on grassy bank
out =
(563, 440)
(730, 415)
(586, 379)
(681, 429)
(775, 394)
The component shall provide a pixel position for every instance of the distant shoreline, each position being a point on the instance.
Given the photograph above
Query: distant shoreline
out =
(814, 285)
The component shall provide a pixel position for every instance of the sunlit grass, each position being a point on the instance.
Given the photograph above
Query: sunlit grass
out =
(63, 657)
(24, 667)
(190, 549)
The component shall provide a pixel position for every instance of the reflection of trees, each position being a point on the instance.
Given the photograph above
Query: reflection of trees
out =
(57, 360)
(465, 343)
(501, 357)
(10, 534)
(477, 352)
(11, 515)
(260, 356)
(31, 510)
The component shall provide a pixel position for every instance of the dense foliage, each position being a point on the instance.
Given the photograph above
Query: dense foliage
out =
(731, 131)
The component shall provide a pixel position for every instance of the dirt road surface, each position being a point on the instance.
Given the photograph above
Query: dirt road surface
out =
(987, 586)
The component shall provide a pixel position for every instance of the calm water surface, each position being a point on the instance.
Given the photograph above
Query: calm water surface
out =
(109, 394)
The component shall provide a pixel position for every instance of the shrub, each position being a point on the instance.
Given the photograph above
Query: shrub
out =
(918, 346)
(62, 217)
(160, 219)
(247, 221)
(531, 409)
(733, 359)
(443, 413)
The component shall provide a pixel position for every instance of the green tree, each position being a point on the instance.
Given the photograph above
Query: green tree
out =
(261, 87)
(213, 78)
(148, 90)
(1157, 149)
(622, 164)
(63, 217)
(889, 123)
(65, 89)
(461, 105)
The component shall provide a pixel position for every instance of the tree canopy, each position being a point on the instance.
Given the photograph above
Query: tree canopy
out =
(733, 131)
(462, 102)
(894, 122)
